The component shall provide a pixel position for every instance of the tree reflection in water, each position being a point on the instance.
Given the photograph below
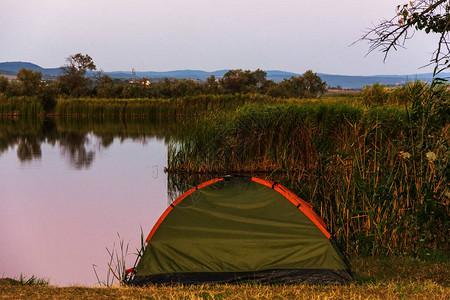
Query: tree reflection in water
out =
(73, 145)
(78, 140)
(28, 148)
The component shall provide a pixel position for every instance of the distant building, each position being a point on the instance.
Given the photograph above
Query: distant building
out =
(143, 81)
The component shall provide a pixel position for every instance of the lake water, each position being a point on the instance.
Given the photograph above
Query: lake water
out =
(67, 191)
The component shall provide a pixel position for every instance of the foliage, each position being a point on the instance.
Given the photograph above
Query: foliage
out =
(47, 96)
(73, 81)
(20, 106)
(105, 87)
(307, 85)
(29, 81)
(411, 92)
(211, 85)
(3, 84)
(233, 82)
(238, 81)
(186, 106)
(29, 90)
(375, 94)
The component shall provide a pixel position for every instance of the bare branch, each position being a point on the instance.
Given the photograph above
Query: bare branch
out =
(431, 16)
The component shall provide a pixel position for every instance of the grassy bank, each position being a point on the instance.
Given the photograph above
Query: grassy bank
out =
(146, 107)
(20, 106)
(390, 278)
(188, 106)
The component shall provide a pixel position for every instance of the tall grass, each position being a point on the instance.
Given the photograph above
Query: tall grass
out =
(105, 108)
(184, 106)
(20, 106)
(379, 181)
(116, 271)
(403, 94)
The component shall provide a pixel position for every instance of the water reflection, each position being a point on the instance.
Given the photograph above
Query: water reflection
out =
(73, 145)
(79, 140)
(28, 148)
(92, 180)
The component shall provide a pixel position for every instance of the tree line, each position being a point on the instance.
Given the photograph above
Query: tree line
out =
(75, 82)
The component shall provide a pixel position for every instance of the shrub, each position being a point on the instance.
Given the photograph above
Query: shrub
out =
(375, 94)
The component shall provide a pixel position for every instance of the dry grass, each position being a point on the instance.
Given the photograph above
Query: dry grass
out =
(390, 278)
(388, 290)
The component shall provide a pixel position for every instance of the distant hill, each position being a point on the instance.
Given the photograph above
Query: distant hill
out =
(15, 66)
(11, 68)
(345, 81)
(358, 82)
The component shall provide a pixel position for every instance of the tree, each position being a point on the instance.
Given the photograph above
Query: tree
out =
(313, 84)
(238, 81)
(4, 82)
(307, 85)
(283, 89)
(73, 81)
(29, 81)
(431, 16)
(105, 87)
(211, 86)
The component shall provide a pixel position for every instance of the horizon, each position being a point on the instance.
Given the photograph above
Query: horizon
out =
(225, 69)
(291, 36)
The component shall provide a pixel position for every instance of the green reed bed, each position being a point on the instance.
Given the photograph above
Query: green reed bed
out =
(379, 181)
(20, 106)
(265, 138)
(185, 106)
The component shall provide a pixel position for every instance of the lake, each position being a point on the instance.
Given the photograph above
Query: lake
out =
(69, 188)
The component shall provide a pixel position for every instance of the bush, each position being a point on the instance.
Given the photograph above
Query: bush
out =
(47, 96)
(3, 84)
(375, 94)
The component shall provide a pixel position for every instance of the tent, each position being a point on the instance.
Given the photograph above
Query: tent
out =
(236, 229)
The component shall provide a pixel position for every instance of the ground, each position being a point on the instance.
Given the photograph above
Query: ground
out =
(388, 278)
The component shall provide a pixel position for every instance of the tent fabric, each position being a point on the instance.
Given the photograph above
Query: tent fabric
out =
(236, 229)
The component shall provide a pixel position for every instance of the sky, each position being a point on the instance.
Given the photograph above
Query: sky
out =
(164, 35)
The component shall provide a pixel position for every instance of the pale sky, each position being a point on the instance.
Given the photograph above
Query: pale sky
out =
(164, 35)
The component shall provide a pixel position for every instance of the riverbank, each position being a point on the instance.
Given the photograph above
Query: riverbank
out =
(387, 278)
(128, 108)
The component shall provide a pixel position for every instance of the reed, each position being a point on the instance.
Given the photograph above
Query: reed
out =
(116, 271)
(380, 189)
(185, 106)
(20, 106)
(402, 94)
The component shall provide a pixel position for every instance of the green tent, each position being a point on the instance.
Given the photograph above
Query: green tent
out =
(236, 229)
